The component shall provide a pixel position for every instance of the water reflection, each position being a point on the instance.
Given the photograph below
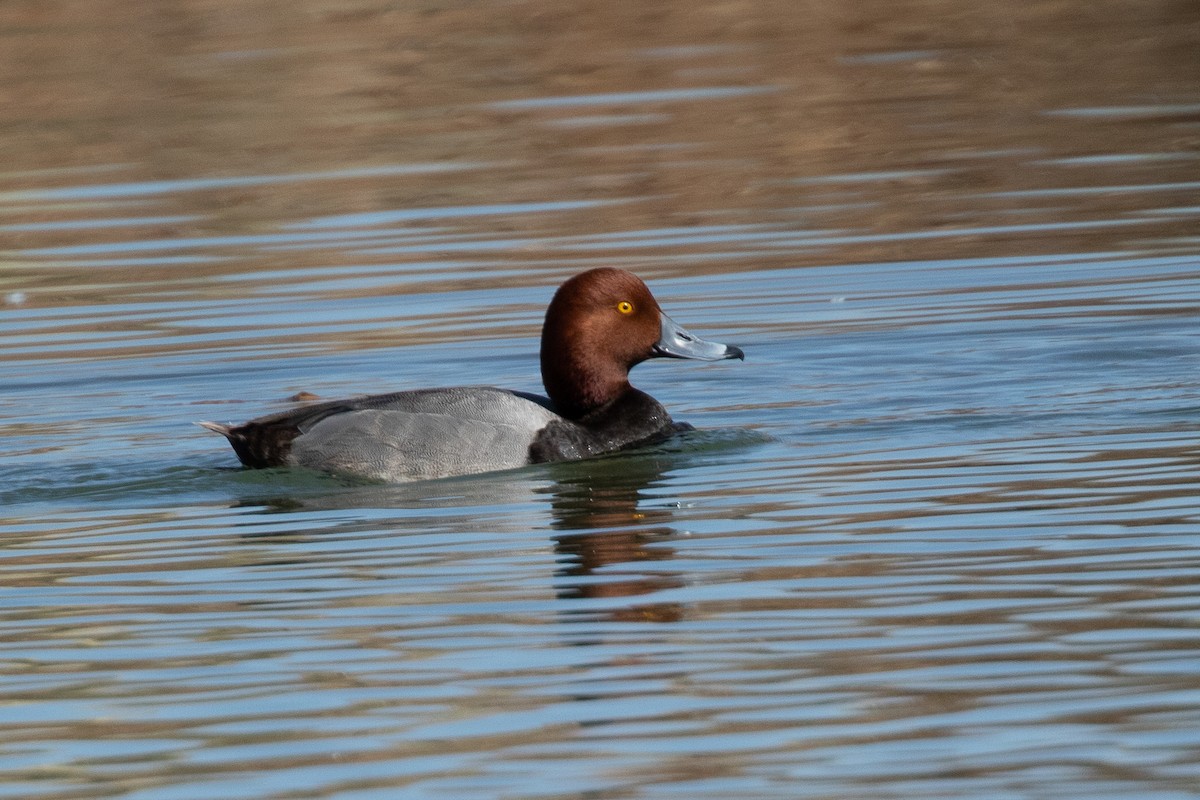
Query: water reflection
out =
(611, 530)
(614, 539)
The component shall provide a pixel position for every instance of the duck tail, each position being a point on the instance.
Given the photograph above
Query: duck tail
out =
(217, 427)
(257, 444)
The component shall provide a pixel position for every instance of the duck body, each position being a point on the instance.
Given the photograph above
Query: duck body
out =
(435, 433)
(599, 325)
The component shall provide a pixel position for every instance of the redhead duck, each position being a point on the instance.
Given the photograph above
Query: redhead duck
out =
(599, 325)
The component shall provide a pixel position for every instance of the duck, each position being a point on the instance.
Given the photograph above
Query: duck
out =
(598, 326)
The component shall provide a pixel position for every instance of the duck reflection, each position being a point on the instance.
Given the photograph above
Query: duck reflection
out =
(610, 535)
(614, 542)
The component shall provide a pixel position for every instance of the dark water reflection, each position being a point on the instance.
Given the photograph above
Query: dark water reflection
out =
(613, 544)
(936, 537)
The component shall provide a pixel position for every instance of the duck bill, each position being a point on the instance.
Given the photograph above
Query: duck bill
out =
(676, 342)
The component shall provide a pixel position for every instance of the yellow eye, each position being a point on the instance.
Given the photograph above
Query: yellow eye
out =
(625, 307)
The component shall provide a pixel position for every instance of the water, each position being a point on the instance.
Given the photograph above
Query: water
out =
(936, 537)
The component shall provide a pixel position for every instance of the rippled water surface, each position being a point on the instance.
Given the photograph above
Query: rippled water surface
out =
(938, 536)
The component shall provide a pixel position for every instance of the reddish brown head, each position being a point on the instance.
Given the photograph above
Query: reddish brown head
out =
(600, 324)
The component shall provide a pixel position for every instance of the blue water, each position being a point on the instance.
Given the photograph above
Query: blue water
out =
(936, 537)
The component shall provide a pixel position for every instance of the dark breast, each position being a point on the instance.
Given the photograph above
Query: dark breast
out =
(632, 420)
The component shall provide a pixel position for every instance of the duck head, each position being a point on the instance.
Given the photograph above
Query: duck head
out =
(600, 324)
